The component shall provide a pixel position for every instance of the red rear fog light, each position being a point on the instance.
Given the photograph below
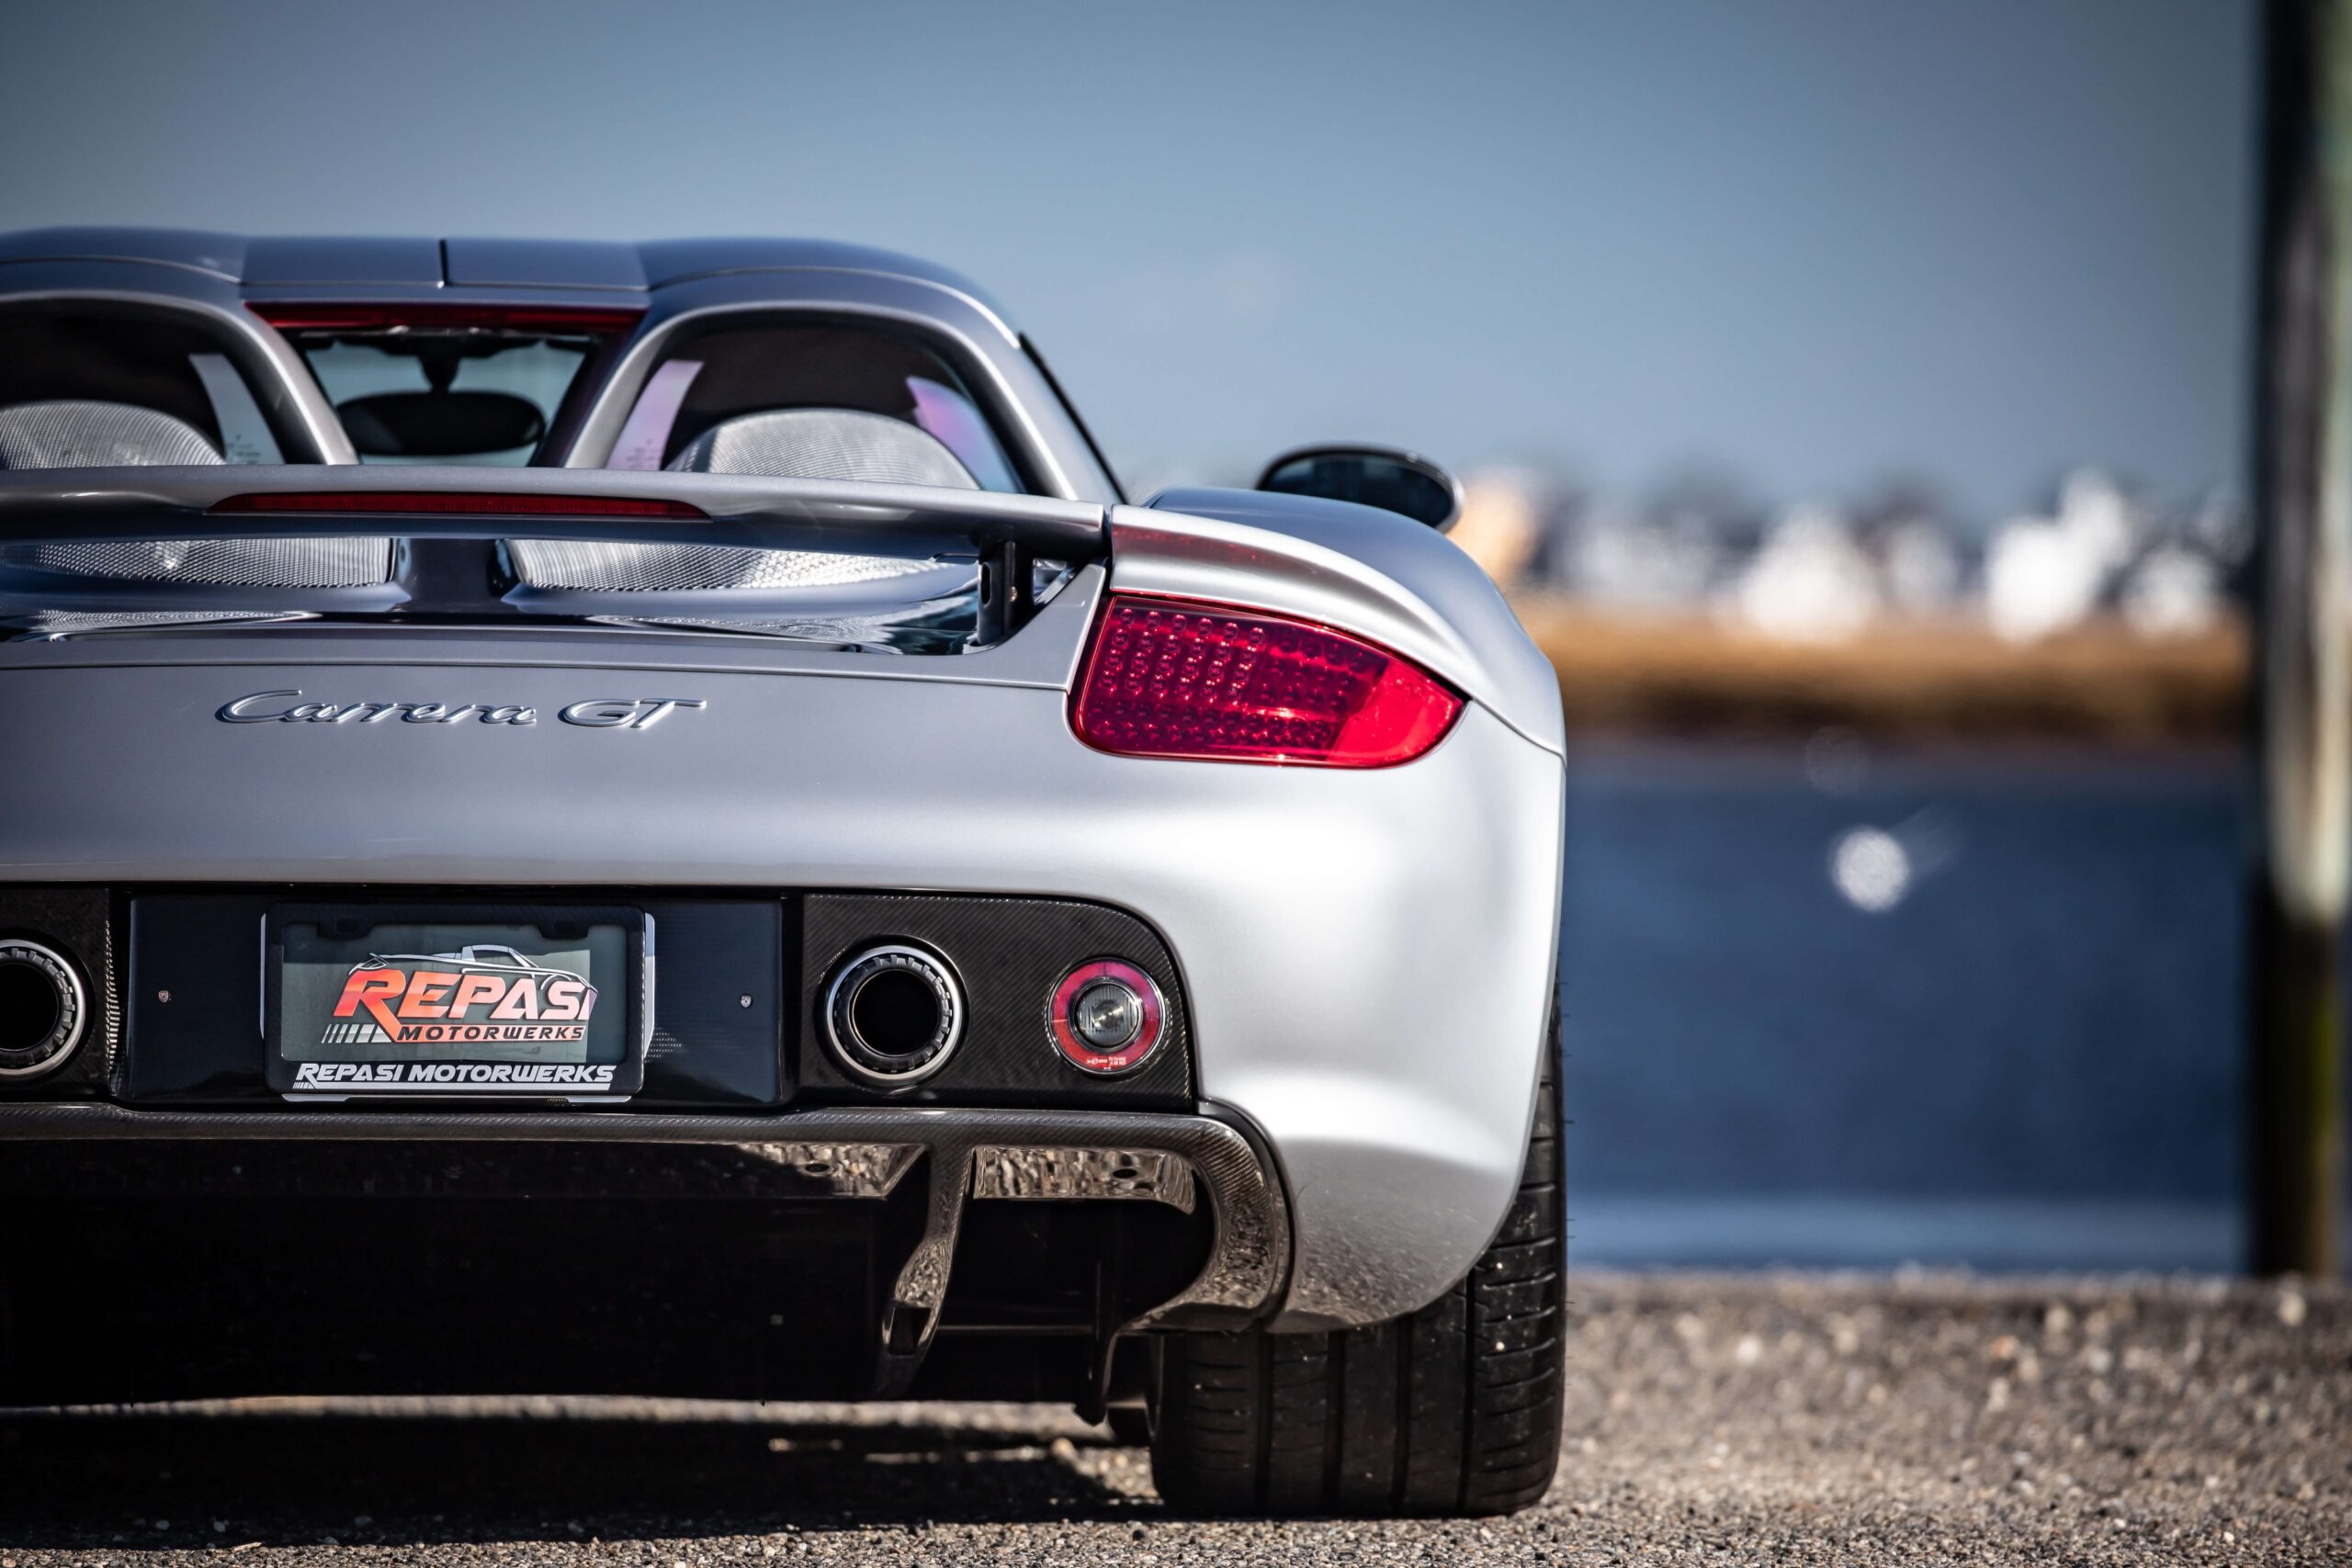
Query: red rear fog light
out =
(1106, 1017)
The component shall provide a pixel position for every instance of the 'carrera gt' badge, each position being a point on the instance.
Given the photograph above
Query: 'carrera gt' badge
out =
(594, 713)
(625, 712)
(287, 707)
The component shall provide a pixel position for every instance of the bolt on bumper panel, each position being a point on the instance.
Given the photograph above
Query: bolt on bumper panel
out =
(988, 1155)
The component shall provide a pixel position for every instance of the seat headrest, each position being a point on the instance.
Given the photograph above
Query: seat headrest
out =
(824, 444)
(73, 435)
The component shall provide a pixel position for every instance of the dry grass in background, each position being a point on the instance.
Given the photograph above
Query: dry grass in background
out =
(2101, 682)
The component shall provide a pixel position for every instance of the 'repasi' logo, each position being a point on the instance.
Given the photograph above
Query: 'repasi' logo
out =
(481, 995)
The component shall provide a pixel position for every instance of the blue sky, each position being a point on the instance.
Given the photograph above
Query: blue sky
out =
(1814, 242)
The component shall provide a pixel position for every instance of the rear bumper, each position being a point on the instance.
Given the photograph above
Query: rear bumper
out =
(1368, 957)
(934, 1166)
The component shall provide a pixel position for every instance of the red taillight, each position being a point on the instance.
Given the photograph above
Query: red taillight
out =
(439, 503)
(307, 315)
(1175, 678)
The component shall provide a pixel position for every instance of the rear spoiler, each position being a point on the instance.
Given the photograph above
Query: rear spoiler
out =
(90, 504)
(451, 518)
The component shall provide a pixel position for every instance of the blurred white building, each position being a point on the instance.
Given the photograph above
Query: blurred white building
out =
(2173, 590)
(2046, 574)
(1921, 566)
(1815, 574)
(1812, 582)
(1627, 559)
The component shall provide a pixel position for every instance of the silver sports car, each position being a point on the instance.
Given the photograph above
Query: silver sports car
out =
(589, 818)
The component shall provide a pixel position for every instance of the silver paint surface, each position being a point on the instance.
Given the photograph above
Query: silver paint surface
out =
(1368, 955)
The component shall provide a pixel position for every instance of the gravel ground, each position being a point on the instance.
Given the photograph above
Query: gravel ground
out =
(1758, 1419)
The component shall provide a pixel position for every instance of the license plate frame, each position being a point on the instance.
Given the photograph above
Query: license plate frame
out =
(522, 952)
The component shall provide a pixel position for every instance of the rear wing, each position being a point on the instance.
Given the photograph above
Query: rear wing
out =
(437, 542)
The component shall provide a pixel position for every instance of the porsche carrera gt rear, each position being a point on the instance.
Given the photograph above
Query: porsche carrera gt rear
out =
(669, 923)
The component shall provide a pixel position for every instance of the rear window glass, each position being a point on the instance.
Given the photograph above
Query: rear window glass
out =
(428, 394)
(711, 375)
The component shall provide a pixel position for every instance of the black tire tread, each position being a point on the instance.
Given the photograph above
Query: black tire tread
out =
(1455, 1409)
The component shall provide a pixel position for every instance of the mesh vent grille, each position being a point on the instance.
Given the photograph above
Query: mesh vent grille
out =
(73, 435)
(244, 563)
(588, 565)
(824, 444)
(936, 625)
(830, 628)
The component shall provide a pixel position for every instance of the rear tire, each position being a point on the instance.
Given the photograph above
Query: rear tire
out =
(1455, 1409)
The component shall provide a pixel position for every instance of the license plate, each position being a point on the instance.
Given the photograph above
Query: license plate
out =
(549, 1002)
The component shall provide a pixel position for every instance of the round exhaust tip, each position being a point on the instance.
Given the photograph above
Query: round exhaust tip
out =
(43, 1009)
(894, 1014)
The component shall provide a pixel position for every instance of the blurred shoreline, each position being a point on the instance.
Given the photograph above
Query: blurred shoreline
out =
(2100, 682)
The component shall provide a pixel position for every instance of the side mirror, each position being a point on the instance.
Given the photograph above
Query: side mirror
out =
(1387, 477)
(440, 423)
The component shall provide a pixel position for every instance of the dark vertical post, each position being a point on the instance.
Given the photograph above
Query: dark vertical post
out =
(1008, 594)
(2303, 700)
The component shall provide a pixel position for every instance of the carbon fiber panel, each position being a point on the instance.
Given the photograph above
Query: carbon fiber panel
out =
(73, 921)
(1247, 1267)
(1008, 954)
(709, 1048)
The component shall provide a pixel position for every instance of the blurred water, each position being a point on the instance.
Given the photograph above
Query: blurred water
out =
(1831, 1006)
